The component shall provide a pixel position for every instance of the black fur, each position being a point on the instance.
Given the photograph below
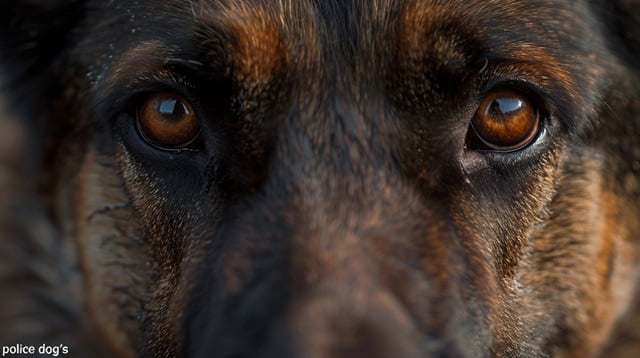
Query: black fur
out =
(333, 205)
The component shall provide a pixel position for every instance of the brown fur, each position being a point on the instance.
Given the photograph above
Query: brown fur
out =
(333, 206)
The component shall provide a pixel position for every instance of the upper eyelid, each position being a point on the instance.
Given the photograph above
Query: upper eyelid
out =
(535, 74)
(153, 79)
(119, 96)
(541, 96)
(527, 88)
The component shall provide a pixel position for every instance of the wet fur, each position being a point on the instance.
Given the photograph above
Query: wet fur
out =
(333, 211)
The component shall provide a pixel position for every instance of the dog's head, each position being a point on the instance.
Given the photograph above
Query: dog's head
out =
(331, 178)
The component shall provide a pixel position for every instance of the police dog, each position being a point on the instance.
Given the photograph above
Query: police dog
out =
(320, 178)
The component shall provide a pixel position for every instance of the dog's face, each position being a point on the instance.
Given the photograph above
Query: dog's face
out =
(339, 178)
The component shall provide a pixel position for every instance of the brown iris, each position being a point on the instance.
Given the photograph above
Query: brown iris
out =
(505, 120)
(167, 121)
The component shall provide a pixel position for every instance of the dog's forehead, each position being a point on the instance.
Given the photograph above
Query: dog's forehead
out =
(377, 22)
(261, 37)
(410, 52)
(345, 25)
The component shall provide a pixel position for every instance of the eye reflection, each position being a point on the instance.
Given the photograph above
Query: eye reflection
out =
(167, 120)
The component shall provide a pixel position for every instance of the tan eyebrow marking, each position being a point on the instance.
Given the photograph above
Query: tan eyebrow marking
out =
(543, 62)
(420, 39)
(146, 55)
(257, 49)
(418, 43)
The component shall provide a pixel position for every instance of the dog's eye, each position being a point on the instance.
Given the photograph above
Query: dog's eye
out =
(167, 120)
(506, 120)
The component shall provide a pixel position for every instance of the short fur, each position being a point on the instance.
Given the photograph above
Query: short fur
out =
(333, 208)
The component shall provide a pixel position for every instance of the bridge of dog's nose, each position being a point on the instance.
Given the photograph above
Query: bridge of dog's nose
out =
(328, 295)
(336, 255)
(374, 326)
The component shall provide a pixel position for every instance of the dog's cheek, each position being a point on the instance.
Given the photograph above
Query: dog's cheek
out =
(114, 257)
(579, 259)
(498, 214)
(177, 210)
(131, 250)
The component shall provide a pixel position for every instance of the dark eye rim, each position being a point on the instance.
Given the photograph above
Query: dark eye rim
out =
(535, 98)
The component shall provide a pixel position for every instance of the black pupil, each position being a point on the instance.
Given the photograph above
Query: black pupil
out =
(171, 108)
(505, 105)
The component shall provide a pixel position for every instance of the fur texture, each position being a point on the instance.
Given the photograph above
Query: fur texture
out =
(332, 205)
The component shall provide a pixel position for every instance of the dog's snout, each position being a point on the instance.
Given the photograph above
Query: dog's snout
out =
(375, 326)
(333, 289)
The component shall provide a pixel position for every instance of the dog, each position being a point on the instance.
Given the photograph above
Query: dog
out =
(320, 178)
